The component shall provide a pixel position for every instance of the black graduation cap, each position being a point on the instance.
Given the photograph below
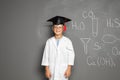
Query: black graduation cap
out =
(59, 20)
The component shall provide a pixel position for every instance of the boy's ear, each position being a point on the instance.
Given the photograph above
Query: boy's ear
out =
(64, 27)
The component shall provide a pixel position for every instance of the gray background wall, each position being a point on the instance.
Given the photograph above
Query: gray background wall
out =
(94, 31)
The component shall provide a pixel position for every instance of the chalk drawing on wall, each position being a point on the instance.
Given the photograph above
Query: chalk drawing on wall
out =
(117, 21)
(74, 25)
(115, 51)
(81, 25)
(113, 22)
(84, 14)
(89, 14)
(98, 46)
(85, 42)
(90, 61)
(106, 38)
(100, 61)
(94, 27)
(109, 38)
(109, 22)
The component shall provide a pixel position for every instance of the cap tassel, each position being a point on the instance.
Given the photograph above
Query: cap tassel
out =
(65, 28)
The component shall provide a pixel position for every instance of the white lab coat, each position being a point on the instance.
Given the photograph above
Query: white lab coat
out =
(58, 57)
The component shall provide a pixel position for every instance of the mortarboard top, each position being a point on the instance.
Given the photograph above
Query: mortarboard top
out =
(59, 20)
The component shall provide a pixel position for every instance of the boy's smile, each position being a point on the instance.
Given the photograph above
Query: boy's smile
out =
(58, 29)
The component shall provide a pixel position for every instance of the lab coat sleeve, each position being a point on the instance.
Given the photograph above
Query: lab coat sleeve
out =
(71, 53)
(45, 58)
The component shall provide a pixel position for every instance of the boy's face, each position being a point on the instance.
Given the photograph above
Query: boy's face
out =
(58, 29)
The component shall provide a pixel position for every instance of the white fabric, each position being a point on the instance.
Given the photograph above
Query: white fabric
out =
(58, 57)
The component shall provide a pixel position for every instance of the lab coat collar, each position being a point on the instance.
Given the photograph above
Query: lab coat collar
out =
(54, 42)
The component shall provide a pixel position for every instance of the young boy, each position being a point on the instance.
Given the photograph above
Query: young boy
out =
(58, 56)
